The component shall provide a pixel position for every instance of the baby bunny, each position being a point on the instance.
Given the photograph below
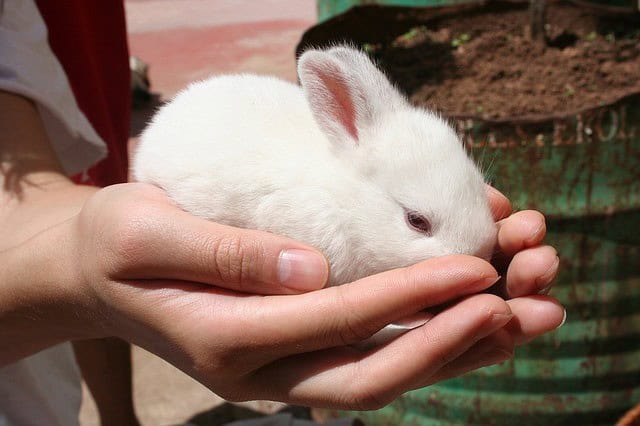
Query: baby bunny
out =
(343, 163)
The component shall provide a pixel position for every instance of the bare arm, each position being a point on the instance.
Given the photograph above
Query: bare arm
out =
(36, 199)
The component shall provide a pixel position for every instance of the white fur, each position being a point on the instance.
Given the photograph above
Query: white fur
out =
(261, 153)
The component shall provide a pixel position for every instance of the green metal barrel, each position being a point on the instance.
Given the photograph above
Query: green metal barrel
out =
(330, 8)
(583, 171)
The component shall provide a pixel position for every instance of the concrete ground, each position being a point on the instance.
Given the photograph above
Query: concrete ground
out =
(182, 41)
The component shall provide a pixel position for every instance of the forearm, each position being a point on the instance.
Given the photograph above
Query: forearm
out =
(41, 302)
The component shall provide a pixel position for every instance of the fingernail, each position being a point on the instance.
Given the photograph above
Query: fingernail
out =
(492, 190)
(302, 270)
(564, 319)
(499, 320)
(543, 281)
(497, 193)
(485, 283)
(542, 227)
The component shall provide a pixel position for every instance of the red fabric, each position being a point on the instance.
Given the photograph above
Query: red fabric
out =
(89, 39)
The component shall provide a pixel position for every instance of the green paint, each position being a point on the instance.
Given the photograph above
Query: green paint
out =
(330, 8)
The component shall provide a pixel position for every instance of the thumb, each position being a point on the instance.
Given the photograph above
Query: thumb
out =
(169, 243)
(262, 263)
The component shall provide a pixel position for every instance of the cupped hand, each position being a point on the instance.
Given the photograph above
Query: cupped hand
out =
(528, 268)
(182, 288)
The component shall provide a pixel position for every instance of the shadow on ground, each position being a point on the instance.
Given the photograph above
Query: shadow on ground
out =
(228, 414)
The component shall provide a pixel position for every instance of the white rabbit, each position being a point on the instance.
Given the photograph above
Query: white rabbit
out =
(343, 163)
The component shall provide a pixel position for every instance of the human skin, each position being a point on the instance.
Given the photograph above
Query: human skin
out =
(78, 262)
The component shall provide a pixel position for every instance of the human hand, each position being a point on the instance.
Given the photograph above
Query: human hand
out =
(527, 266)
(154, 276)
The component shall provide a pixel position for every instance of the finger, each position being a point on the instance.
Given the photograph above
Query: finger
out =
(160, 241)
(534, 316)
(493, 349)
(532, 271)
(518, 231)
(523, 229)
(500, 205)
(363, 380)
(353, 312)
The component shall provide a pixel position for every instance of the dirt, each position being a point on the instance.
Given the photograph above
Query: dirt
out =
(482, 63)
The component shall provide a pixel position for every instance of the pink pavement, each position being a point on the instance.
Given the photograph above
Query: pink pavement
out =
(186, 40)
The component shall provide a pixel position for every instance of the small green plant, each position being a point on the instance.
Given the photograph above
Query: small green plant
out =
(611, 37)
(591, 36)
(368, 47)
(570, 91)
(413, 33)
(479, 109)
(460, 40)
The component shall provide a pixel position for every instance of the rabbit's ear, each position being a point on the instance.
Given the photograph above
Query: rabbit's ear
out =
(345, 91)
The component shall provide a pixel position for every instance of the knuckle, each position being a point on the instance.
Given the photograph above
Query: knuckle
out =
(126, 237)
(108, 236)
(236, 260)
(228, 255)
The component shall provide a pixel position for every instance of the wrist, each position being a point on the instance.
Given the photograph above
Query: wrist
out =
(44, 300)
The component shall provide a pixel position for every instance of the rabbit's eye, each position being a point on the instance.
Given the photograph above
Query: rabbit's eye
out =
(418, 222)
